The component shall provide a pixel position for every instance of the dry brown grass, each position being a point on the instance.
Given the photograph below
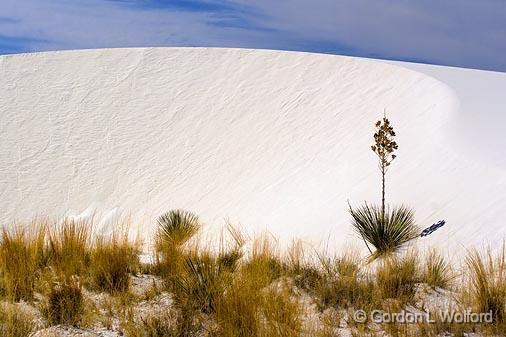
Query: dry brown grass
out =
(22, 255)
(397, 276)
(113, 259)
(239, 289)
(15, 322)
(65, 302)
(70, 247)
(438, 272)
(485, 285)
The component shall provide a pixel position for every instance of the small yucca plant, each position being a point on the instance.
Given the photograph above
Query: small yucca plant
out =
(385, 229)
(386, 232)
(177, 226)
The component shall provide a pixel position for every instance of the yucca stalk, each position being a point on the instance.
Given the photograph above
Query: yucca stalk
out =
(384, 147)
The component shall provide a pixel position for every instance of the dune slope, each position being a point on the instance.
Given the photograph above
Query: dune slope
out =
(271, 140)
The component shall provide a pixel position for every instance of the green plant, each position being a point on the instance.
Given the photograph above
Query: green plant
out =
(112, 261)
(174, 230)
(386, 232)
(65, 302)
(176, 227)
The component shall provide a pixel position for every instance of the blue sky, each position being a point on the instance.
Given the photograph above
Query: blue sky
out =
(460, 33)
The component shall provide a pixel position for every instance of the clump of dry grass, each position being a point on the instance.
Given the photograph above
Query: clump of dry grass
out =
(15, 322)
(21, 257)
(65, 302)
(166, 324)
(281, 313)
(206, 276)
(69, 247)
(438, 272)
(253, 306)
(201, 282)
(486, 282)
(347, 282)
(397, 277)
(338, 281)
(265, 256)
(112, 261)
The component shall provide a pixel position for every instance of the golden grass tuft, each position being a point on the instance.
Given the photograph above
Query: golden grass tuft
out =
(69, 247)
(486, 282)
(397, 276)
(112, 261)
(438, 272)
(21, 256)
(14, 322)
(65, 302)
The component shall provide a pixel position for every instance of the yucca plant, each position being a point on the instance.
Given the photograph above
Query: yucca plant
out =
(177, 226)
(385, 229)
(386, 232)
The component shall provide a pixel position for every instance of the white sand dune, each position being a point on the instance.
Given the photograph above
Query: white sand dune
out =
(271, 140)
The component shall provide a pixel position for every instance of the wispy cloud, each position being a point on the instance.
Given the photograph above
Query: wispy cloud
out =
(460, 33)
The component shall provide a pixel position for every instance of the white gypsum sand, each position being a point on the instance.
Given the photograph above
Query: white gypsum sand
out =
(268, 139)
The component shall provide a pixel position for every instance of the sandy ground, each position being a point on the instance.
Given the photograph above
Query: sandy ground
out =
(265, 139)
